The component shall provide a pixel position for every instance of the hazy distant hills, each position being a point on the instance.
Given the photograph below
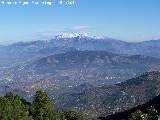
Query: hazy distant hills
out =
(105, 100)
(27, 51)
(70, 69)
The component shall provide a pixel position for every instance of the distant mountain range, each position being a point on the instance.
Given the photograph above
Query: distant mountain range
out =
(26, 51)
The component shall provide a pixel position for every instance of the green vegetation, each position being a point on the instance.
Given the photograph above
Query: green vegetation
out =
(138, 115)
(73, 115)
(13, 107)
(151, 115)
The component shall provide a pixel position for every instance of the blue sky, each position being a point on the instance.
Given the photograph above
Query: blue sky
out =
(130, 20)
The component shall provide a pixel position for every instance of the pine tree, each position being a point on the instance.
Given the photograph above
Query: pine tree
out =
(72, 115)
(152, 114)
(12, 108)
(42, 106)
(138, 115)
(5, 109)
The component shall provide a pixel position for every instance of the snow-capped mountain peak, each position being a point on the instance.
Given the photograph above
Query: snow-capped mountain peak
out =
(78, 35)
(71, 35)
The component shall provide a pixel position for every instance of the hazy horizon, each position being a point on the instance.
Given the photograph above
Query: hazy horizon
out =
(9, 42)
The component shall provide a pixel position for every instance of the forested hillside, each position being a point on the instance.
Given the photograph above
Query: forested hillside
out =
(13, 107)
